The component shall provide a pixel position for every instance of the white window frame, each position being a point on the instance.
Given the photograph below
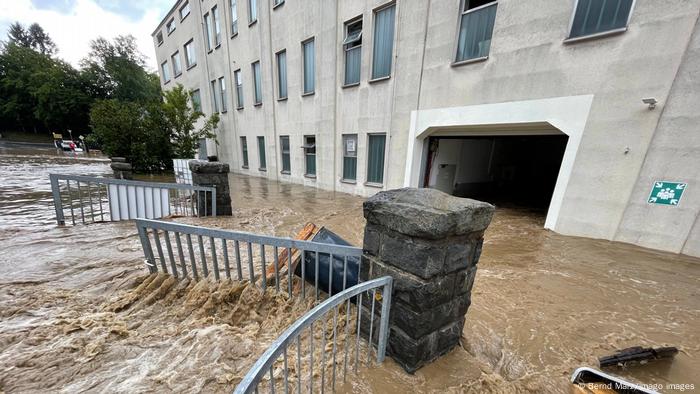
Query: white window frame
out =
(393, 47)
(303, 66)
(346, 25)
(165, 72)
(190, 44)
(176, 56)
(233, 9)
(462, 12)
(189, 10)
(169, 24)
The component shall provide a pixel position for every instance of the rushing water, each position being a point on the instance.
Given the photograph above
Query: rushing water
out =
(78, 311)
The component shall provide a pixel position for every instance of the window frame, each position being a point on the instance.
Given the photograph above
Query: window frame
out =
(198, 93)
(159, 38)
(303, 67)
(288, 153)
(344, 138)
(165, 72)
(213, 84)
(194, 54)
(173, 57)
(257, 75)
(233, 6)
(216, 19)
(620, 30)
(346, 25)
(375, 11)
(222, 95)
(170, 23)
(239, 89)
(251, 20)
(262, 153)
(277, 3)
(244, 152)
(286, 76)
(207, 32)
(372, 183)
(189, 10)
(307, 174)
(455, 50)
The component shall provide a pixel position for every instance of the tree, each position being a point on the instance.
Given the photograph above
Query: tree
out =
(180, 118)
(33, 37)
(117, 71)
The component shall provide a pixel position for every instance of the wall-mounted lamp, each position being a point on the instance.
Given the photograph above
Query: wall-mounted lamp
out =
(651, 102)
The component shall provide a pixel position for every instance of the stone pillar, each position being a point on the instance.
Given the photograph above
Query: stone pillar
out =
(121, 169)
(430, 243)
(206, 173)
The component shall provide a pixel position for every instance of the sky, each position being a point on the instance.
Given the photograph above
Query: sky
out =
(72, 24)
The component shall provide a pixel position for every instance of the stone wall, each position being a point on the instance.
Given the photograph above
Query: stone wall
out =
(205, 173)
(430, 243)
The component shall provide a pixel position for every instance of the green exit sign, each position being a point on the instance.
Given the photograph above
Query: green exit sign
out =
(666, 193)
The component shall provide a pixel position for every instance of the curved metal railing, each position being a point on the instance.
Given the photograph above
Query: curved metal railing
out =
(266, 364)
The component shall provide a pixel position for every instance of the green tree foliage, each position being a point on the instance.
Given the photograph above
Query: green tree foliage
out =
(116, 70)
(180, 118)
(134, 131)
(33, 37)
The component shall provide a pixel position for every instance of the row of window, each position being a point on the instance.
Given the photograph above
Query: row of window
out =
(190, 61)
(376, 147)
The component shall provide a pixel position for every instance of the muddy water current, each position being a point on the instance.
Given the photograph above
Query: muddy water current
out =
(80, 313)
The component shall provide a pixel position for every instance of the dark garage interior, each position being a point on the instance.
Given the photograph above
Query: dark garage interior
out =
(518, 171)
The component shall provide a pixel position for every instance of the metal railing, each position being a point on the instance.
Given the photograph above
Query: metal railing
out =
(182, 250)
(93, 199)
(276, 357)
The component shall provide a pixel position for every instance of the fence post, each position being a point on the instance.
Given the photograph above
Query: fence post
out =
(206, 173)
(57, 204)
(429, 242)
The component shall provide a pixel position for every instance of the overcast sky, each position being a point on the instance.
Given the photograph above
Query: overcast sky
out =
(73, 23)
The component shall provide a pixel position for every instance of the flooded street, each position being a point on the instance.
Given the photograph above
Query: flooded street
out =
(79, 312)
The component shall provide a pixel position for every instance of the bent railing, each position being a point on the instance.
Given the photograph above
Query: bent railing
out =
(276, 357)
(89, 199)
(183, 250)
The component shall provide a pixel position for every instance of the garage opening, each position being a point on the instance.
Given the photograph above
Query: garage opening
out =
(509, 171)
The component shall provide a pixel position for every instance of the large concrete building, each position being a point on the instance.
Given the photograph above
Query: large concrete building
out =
(531, 103)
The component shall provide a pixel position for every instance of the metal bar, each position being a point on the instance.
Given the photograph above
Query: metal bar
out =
(192, 259)
(299, 364)
(128, 204)
(335, 325)
(160, 250)
(311, 358)
(384, 322)
(169, 247)
(99, 196)
(303, 274)
(115, 181)
(146, 245)
(92, 212)
(70, 202)
(251, 270)
(80, 202)
(286, 371)
(213, 201)
(262, 260)
(277, 269)
(227, 267)
(289, 270)
(272, 382)
(239, 271)
(215, 260)
(345, 341)
(203, 256)
(323, 357)
(345, 271)
(317, 274)
(371, 325)
(330, 276)
(358, 306)
(181, 254)
(57, 203)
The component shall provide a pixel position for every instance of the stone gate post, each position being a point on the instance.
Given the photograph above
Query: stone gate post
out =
(430, 243)
(213, 173)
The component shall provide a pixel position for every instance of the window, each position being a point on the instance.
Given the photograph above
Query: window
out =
(286, 157)
(309, 65)
(252, 11)
(190, 56)
(310, 155)
(165, 72)
(170, 26)
(222, 94)
(217, 26)
(177, 67)
(159, 38)
(257, 80)
(475, 29)
(207, 31)
(599, 16)
(282, 74)
(383, 42)
(375, 158)
(350, 157)
(239, 88)
(185, 10)
(261, 153)
(244, 151)
(214, 97)
(275, 3)
(353, 49)
(234, 17)
(196, 100)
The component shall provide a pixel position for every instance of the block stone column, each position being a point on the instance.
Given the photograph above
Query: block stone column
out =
(206, 173)
(430, 243)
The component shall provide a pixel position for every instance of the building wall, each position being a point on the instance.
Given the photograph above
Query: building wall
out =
(529, 62)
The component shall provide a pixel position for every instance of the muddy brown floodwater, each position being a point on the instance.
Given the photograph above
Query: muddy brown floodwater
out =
(79, 312)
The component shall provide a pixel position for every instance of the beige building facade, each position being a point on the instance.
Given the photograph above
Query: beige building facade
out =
(517, 102)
